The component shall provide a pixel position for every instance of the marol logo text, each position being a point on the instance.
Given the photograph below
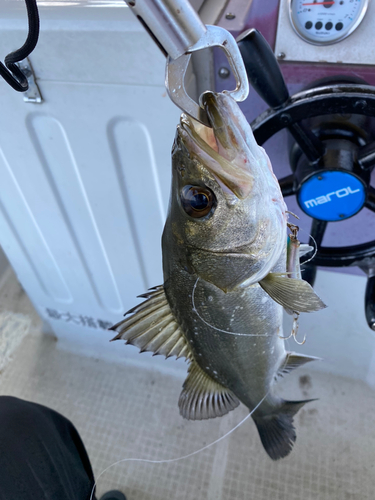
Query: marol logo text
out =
(341, 193)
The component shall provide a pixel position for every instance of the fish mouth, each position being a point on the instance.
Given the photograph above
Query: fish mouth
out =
(243, 250)
(222, 149)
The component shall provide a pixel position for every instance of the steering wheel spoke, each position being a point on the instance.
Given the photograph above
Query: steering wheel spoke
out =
(318, 229)
(295, 113)
(266, 78)
(370, 202)
(366, 156)
(287, 185)
(311, 146)
(370, 302)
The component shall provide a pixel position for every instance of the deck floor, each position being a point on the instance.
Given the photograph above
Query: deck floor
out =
(123, 412)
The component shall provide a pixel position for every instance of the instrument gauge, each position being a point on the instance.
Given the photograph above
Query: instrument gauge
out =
(322, 22)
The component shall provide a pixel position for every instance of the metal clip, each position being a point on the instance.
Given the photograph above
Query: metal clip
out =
(176, 70)
(33, 94)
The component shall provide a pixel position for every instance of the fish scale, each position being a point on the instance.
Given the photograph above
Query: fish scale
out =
(247, 376)
(225, 283)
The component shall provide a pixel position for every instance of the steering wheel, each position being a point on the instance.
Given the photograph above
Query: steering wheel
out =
(331, 168)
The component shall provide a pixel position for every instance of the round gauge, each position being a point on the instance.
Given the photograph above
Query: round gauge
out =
(322, 22)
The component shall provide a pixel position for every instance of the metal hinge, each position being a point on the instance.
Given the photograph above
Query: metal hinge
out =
(33, 94)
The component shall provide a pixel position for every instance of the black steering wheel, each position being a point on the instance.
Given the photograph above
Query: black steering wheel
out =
(317, 154)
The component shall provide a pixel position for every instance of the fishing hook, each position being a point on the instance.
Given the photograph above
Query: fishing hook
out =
(295, 263)
(295, 329)
(285, 338)
(291, 213)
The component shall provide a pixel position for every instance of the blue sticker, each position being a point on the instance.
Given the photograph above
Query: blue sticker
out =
(332, 195)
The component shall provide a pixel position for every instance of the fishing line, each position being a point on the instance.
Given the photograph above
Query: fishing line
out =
(219, 329)
(315, 244)
(295, 320)
(169, 460)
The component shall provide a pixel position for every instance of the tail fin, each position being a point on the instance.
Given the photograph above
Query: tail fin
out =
(277, 431)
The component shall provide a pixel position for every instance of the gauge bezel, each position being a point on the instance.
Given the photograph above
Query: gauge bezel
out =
(329, 42)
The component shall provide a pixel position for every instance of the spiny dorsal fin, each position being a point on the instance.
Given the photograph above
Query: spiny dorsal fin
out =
(202, 397)
(294, 360)
(152, 327)
(293, 294)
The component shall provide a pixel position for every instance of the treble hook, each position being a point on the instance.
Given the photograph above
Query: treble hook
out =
(294, 330)
(11, 72)
(293, 270)
(285, 338)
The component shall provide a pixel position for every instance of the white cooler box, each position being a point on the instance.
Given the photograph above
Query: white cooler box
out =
(85, 176)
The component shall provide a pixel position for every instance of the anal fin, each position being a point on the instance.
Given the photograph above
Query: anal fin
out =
(202, 397)
(277, 431)
(152, 327)
(294, 360)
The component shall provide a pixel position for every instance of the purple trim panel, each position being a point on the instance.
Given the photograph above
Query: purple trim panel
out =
(263, 15)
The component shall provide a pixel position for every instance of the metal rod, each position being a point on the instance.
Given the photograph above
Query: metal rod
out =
(173, 23)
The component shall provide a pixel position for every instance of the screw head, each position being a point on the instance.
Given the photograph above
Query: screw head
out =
(373, 326)
(285, 118)
(230, 16)
(281, 55)
(224, 72)
(360, 104)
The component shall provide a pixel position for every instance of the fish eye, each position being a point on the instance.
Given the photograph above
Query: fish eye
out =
(197, 201)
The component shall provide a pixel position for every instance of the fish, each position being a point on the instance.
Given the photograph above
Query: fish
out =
(224, 249)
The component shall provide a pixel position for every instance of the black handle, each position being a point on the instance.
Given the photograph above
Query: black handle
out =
(370, 201)
(262, 68)
(370, 302)
(264, 74)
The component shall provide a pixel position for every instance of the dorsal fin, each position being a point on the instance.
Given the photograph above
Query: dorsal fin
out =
(151, 327)
(202, 397)
(294, 360)
(294, 294)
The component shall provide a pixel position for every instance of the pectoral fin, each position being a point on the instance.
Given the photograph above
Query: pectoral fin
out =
(202, 397)
(293, 294)
(152, 327)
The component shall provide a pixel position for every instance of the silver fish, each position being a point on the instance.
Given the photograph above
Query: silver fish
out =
(224, 262)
